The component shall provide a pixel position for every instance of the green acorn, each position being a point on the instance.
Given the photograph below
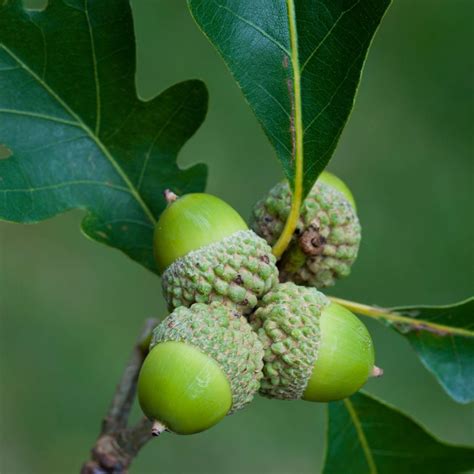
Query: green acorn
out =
(326, 240)
(204, 362)
(315, 350)
(207, 253)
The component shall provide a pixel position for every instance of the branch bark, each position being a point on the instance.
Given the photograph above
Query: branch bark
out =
(118, 443)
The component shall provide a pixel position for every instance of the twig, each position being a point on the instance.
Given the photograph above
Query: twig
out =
(118, 444)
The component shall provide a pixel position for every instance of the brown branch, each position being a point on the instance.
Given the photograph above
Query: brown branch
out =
(118, 444)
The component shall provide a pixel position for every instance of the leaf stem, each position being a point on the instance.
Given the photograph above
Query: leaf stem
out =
(297, 137)
(394, 317)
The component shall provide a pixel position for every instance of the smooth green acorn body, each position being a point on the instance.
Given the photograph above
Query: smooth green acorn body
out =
(332, 180)
(314, 349)
(345, 356)
(183, 388)
(207, 253)
(204, 363)
(327, 237)
(191, 222)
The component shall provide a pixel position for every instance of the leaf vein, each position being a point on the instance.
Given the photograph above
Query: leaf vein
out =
(280, 105)
(64, 185)
(336, 91)
(158, 134)
(328, 34)
(96, 139)
(255, 27)
(96, 72)
(40, 116)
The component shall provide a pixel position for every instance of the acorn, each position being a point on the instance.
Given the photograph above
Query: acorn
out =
(327, 237)
(206, 252)
(315, 349)
(205, 362)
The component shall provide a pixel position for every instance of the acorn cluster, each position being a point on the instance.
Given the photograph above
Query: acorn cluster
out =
(242, 322)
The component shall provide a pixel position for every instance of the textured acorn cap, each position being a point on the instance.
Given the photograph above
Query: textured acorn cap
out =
(287, 323)
(238, 270)
(326, 240)
(225, 336)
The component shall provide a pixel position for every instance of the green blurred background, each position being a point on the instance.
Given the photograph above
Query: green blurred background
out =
(71, 309)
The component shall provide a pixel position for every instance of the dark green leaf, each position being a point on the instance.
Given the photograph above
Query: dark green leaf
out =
(367, 436)
(298, 64)
(73, 133)
(442, 336)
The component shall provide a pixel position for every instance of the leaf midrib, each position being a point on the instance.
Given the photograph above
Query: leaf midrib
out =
(297, 136)
(90, 133)
(361, 436)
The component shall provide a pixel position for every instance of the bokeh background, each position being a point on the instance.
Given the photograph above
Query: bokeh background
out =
(70, 308)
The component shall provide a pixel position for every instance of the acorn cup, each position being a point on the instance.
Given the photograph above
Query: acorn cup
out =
(205, 362)
(315, 350)
(206, 253)
(327, 237)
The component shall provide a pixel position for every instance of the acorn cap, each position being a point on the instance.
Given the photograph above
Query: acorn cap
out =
(238, 270)
(225, 336)
(287, 323)
(327, 237)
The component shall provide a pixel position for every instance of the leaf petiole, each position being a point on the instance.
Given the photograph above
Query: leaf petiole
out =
(396, 318)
